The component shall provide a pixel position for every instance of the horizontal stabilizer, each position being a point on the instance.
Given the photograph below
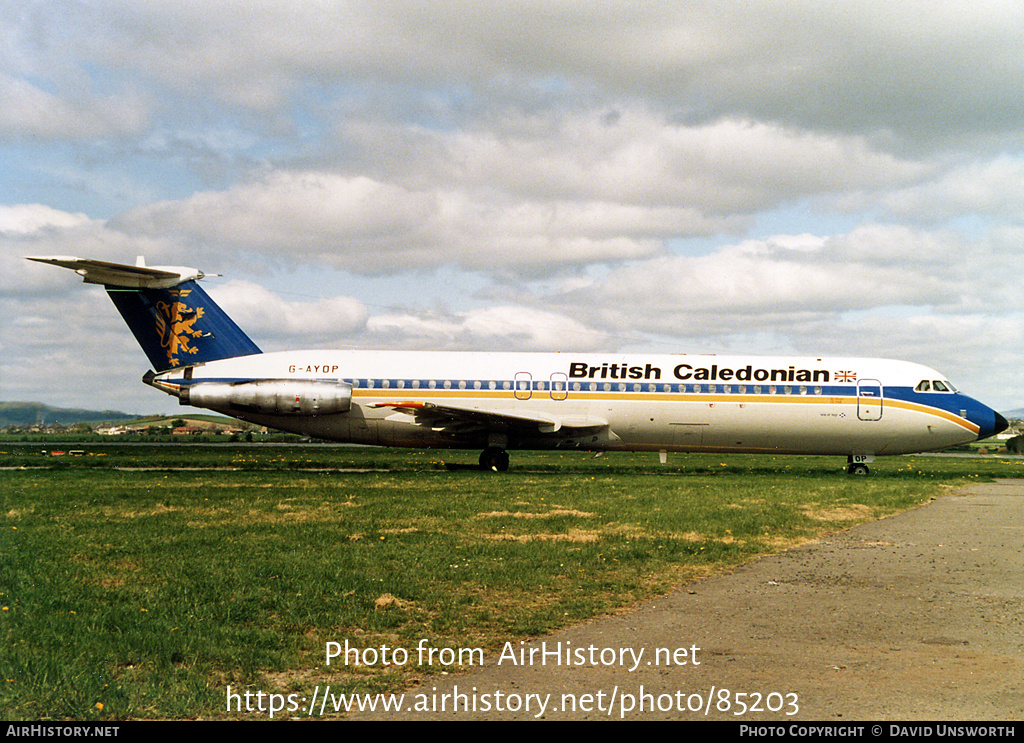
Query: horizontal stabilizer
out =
(172, 318)
(121, 274)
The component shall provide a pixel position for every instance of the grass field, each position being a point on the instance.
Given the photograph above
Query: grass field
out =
(139, 581)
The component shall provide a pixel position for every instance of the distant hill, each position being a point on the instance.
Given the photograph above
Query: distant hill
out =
(30, 413)
(1018, 413)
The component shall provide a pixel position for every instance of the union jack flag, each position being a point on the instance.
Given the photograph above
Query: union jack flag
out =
(846, 376)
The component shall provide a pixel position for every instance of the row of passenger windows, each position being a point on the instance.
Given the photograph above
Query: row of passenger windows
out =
(523, 385)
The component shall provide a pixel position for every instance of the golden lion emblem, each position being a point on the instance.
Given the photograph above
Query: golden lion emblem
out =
(175, 324)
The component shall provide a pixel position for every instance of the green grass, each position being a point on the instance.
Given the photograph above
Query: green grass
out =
(143, 593)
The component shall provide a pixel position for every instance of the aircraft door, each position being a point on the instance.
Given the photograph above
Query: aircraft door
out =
(869, 400)
(559, 386)
(523, 385)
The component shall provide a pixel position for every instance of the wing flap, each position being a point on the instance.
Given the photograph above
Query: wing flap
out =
(448, 417)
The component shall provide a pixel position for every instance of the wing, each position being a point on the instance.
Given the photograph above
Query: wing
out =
(457, 419)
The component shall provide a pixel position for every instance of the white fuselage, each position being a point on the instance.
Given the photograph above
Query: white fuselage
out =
(637, 402)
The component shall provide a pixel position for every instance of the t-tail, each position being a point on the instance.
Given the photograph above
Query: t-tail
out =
(173, 319)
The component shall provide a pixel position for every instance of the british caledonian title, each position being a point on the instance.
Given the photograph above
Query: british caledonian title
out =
(687, 372)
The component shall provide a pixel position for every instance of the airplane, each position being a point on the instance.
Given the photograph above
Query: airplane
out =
(858, 407)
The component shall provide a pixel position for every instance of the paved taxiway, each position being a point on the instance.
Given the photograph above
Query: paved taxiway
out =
(917, 616)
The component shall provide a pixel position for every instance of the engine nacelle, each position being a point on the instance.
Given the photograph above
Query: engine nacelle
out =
(271, 396)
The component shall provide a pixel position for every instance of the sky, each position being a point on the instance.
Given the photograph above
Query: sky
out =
(755, 177)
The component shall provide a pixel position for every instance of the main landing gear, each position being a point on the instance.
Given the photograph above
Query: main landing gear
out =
(858, 464)
(494, 458)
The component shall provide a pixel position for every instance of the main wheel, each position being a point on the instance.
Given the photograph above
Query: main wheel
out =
(494, 459)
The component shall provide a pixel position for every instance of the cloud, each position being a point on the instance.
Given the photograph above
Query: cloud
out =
(721, 168)
(528, 195)
(70, 349)
(367, 226)
(993, 188)
(776, 285)
(505, 328)
(920, 70)
(24, 219)
(316, 323)
(28, 111)
(308, 213)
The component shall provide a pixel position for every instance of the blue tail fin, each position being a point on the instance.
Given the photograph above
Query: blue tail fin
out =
(173, 319)
(180, 326)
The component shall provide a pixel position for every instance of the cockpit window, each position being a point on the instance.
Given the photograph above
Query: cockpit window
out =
(934, 385)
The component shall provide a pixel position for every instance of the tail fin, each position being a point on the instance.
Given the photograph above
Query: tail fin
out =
(180, 326)
(172, 318)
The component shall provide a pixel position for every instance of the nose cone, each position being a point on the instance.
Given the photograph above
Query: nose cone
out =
(989, 423)
(1001, 424)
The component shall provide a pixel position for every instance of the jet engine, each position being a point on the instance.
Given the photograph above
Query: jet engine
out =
(271, 396)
